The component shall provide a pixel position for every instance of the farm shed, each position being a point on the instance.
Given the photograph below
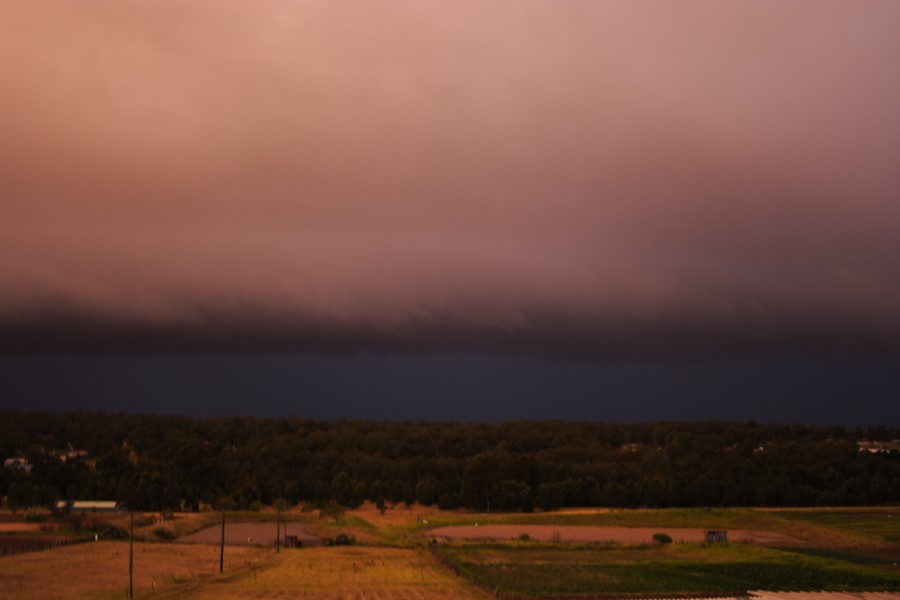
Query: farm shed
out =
(92, 506)
(716, 536)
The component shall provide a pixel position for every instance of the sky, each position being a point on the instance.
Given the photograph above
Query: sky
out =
(617, 211)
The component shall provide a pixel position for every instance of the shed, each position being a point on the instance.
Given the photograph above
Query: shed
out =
(716, 536)
(86, 506)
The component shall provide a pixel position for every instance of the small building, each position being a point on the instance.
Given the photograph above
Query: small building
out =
(87, 506)
(18, 463)
(717, 536)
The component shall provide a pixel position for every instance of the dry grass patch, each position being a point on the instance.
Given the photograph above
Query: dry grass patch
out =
(362, 573)
(100, 569)
(397, 516)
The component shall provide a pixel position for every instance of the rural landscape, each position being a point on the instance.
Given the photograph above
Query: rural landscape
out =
(449, 299)
(442, 510)
(415, 552)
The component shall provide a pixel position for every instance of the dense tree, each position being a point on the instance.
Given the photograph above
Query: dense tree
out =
(156, 462)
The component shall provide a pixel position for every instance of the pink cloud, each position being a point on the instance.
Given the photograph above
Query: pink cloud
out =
(610, 178)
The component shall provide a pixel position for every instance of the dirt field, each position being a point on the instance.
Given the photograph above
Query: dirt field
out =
(260, 534)
(587, 534)
(100, 569)
(17, 544)
(18, 527)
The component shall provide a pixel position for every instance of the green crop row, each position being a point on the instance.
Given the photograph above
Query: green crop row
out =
(574, 573)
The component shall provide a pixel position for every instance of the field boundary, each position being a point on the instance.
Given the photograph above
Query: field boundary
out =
(11, 545)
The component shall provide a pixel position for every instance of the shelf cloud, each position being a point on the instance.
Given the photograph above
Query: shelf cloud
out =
(633, 179)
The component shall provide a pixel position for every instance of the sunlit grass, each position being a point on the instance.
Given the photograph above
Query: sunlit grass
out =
(358, 572)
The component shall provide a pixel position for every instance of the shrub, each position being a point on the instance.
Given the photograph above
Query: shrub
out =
(164, 533)
(524, 537)
(73, 522)
(109, 531)
(662, 538)
(341, 539)
(332, 510)
(33, 516)
(144, 521)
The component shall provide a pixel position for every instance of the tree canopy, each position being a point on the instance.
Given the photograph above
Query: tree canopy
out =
(157, 462)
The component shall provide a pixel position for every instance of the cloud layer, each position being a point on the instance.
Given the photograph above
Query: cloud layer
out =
(619, 179)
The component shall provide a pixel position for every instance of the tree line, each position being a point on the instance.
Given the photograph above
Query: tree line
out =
(153, 462)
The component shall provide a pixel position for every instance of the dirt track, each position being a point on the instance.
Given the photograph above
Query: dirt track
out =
(589, 534)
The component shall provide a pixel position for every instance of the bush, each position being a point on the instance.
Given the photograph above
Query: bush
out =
(144, 520)
(33, 516)
(164, 533)
(662, 538)
(73, 522)
(109, 531)
(257, 506)
(524, 537)
(332, 510)
(341, 539)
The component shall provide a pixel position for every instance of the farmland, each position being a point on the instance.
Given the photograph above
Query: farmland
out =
(100, 569)
(365, 573)
(395, 557)
(692, 569)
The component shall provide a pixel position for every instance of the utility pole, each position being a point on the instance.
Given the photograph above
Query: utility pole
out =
(222, 546)
(278, 529)
(131, 560)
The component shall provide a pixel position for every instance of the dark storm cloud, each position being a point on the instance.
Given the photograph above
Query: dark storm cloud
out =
(602, 179)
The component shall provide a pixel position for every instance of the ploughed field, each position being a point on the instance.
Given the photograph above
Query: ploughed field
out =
(261, 534)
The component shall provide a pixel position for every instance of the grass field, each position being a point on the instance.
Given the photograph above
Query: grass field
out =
(881, 524)
(363, 573)
(554, 569)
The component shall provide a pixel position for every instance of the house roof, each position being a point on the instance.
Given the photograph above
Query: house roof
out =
(94, 505)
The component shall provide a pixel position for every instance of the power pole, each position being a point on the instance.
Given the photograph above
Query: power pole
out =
(131, 560)
(222, 546)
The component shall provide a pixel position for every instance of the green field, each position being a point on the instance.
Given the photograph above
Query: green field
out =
(560, 570)
(877, 523)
